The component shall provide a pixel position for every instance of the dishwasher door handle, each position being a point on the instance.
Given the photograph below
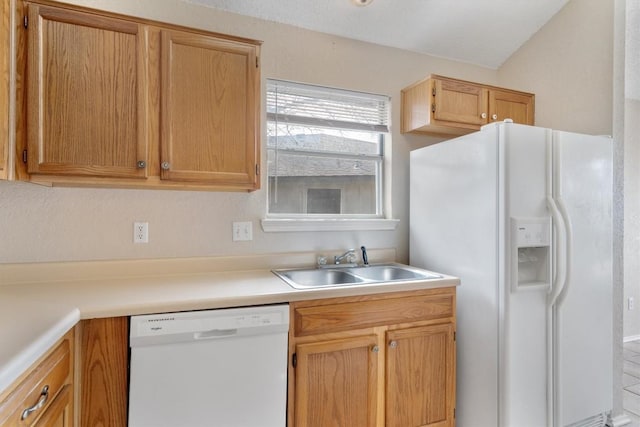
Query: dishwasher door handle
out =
(215, 333)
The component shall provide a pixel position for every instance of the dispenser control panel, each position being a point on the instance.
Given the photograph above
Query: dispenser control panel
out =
(532, 234)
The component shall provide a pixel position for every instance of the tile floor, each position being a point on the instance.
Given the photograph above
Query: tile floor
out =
(631, 381)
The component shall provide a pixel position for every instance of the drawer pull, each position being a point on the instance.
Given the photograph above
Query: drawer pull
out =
(44, 395)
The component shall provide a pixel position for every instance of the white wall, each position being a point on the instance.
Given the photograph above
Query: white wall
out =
(58, 224)
(631, 170)
(568, 64)
(632, 216)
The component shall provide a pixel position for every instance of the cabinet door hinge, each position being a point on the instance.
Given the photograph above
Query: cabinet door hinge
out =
(433, 92)
(257, 169)
(24, 156)
(294, 360)
(25, 21)
(433, 108)
(454, 335)
(454, 413)
(257, 62)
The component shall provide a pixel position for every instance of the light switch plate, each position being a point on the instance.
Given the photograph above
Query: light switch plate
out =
(242, 231)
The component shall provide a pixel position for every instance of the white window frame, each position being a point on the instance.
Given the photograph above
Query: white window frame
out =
(376, 122)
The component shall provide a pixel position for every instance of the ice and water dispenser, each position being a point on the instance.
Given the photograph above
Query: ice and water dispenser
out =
(530, 253)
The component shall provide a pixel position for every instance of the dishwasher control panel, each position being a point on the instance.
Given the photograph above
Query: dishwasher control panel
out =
(158, 328)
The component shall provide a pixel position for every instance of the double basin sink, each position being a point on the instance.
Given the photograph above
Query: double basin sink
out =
(353, 276)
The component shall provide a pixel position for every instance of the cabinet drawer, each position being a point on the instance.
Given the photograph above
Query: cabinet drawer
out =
(53, 373)
(353, 314)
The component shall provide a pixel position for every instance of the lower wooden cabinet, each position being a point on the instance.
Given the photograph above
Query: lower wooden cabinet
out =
(337, 382)
(384, 360)
(44, 397)
(60, 413)
(104, 375)
(420, 376)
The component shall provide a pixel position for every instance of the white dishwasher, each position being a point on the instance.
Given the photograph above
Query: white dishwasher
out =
(223, 368)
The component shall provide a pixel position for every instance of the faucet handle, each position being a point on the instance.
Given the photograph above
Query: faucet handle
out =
(352, 258)
(365, 259)
(322, 260)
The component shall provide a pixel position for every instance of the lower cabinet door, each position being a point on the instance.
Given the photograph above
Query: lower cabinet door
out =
(60, 413)
(420, 377)
(336, 383)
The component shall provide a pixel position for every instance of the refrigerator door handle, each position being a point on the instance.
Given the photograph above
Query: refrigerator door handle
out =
(563, 235)
(568, 236)
(560, 276)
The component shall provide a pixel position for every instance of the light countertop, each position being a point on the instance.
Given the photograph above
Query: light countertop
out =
(33, 316)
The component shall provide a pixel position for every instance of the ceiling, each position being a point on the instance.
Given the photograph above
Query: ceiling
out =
(482, 32)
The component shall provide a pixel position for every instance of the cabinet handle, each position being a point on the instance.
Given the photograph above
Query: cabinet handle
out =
(393, 344)
(375, 349)
(165, 166)
(141, 164)
(483, 115)
(494, 117)
(44, 395)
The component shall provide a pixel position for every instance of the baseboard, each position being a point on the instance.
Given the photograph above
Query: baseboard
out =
(620, 420)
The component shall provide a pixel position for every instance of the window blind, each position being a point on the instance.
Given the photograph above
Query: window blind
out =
(294, 103)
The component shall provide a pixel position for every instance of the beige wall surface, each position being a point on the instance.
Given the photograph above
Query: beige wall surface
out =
(59, 224)
(631, 169)
(632, 216)
(568, 64)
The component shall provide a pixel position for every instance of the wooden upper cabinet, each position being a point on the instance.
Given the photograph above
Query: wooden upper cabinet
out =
(85, 107)
(209, 110)
(5, 52)
(459, 102)
(421, 377)
(441, 105)
(510, 105)
(117, 101)
(337, 382)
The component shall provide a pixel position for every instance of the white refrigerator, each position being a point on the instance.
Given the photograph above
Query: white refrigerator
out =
(522, 215)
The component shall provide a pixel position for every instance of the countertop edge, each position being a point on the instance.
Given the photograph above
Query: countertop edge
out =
(25, 358)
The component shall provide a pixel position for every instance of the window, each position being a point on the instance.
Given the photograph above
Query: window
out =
(325, 151)
(324, 200)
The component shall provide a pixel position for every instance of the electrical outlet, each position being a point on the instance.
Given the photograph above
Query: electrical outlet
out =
(140, 232)
(631, 303)
(242, 231)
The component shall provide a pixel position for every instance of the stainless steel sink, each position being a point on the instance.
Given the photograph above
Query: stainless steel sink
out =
(353, 276)
(316, 277)
(392, 273)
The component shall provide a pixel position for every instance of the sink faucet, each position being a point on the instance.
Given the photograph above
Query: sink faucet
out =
(350, 256)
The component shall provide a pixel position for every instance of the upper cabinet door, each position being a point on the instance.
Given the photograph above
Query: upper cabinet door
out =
(460, 102)
(209, 110)
(5, 51)
(510, 105)
(86, 89)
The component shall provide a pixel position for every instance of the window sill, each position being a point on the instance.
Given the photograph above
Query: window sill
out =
(327, 224)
